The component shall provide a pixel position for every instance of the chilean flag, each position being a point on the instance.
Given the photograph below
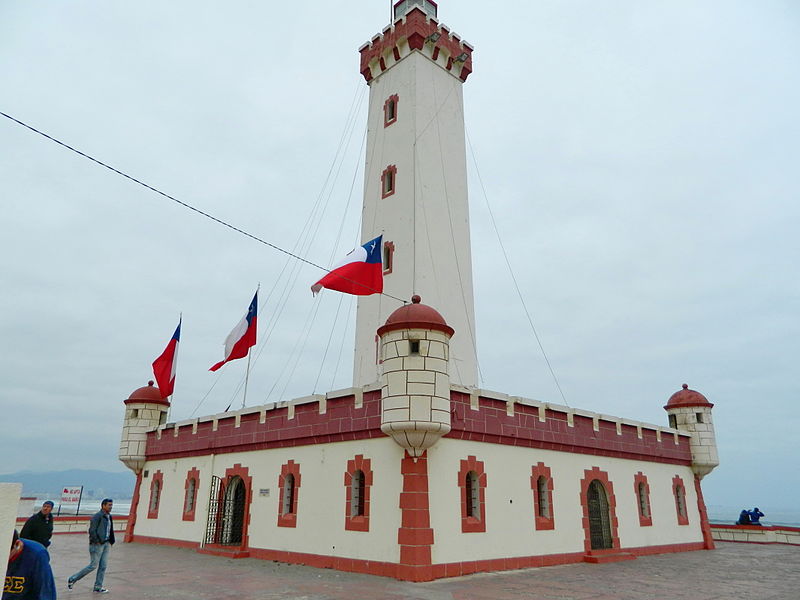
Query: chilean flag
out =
(243, 336)
(165, 366)
(360, 272)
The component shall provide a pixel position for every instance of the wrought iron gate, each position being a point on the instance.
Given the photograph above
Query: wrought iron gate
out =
(212, 524)
(599, 518)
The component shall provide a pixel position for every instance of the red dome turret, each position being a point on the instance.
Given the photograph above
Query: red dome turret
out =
(149, 393)
(687, 397)
(416, 316)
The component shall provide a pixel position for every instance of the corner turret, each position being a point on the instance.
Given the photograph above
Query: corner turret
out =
(145, 410)
(690, 411)
(415, 384)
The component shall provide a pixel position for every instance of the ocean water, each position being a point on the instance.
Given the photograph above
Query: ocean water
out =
(772, 516)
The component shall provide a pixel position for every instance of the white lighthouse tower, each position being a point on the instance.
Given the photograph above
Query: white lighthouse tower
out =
(415, 191)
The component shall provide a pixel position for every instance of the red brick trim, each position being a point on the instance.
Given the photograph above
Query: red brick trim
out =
(547, 521)
(388, 256)
(590, 475)
(389, 119)
(134, 508)
(415, 535)
(243, 473)
(156, 491)
(193, 474)
(357, 522)
(389, 186)
(642, 499)
(289, 519)
(679, 492)
(472, 524)
(705, 526)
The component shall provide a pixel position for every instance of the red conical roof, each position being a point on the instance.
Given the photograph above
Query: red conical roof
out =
(149, 393)
(687, 397)
(416, 316)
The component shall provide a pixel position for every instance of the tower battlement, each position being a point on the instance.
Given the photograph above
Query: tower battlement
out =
(416, 31)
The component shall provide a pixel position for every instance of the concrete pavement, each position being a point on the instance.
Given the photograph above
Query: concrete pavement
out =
(138, 571)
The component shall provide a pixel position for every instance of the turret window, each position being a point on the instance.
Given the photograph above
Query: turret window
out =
(413, 346)
(699, 417)
(390, 110)
(673, 421)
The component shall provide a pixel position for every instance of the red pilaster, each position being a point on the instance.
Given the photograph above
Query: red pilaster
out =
(708, 540)
(415, 535)
(134, 506)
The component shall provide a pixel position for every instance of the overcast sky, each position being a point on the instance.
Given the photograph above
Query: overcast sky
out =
(640, 158)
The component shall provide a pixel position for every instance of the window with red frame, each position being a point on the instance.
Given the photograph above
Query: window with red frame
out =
(542, 486)
(388, 257)
(679, 491)
(642, 489)
(358, 481)
(472, 481)
(388, 181)
(289, 484)
(156, 486)
(390, 110)
(190, 495)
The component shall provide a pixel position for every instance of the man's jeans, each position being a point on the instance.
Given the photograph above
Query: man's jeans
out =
(99, 556)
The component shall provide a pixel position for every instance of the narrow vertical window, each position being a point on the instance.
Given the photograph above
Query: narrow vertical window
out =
(190, 492)
(156, 486)
(642, 490)
(472, 481)
(673, 422)
(679, 491)
(289, 484)
(699, 417)
(357, 481)
(388, 257)
(542, 487)
(388, 181)
(390, 110)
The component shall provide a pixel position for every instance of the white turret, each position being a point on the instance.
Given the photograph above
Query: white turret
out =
(145, 410)
(415, 385)
(690, 411)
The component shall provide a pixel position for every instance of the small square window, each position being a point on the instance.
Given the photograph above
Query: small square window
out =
(673, 421)
(413, 346)
(699, 417)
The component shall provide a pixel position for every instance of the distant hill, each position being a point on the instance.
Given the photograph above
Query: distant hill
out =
(96, 484)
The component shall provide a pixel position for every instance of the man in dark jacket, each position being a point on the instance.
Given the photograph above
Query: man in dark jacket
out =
(28, 575)
(101, 538)
(39, 527)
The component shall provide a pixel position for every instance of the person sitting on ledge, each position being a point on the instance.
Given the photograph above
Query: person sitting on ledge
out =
(744, 517)
(755, 515)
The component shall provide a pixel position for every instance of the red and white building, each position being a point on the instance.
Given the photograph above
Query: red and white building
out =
(415, 472)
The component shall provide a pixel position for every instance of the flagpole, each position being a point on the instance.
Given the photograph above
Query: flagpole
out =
(246, 377)
(172, 395)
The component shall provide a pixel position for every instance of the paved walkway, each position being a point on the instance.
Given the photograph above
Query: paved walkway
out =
(138, 571)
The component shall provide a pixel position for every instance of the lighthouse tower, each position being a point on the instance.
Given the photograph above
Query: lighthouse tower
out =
(144, 410)
(690, 411)
(415, 191)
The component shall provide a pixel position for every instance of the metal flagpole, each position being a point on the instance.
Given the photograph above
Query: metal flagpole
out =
(246, 377)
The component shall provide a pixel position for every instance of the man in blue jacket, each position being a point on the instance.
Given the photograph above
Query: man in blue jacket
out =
(28, 576)
(101, 538)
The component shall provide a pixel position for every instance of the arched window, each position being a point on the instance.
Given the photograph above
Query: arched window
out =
(542, 486)
(472, 481)
(642, 490)
(289, 484)
(679, 491)
(390, 110)
(358, 481)
(156, 487)
(287, 507)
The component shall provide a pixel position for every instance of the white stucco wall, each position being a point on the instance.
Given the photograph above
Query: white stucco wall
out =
(510, 527)
(321, 499)
(9, 501)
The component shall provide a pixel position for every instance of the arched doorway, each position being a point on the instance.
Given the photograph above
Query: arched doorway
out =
(233, 506)
(599, 516)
